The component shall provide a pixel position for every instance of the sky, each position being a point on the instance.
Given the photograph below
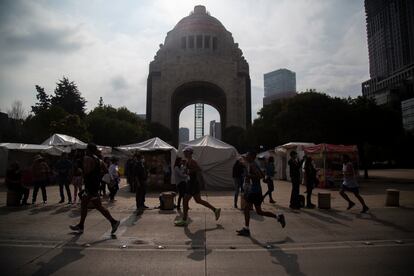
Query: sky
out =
(105, 47)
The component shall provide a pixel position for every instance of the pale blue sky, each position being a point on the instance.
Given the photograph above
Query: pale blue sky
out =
(106, 46)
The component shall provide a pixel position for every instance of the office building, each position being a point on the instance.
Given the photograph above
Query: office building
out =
(215, 129)
(390, 32)
(183, 134)
(279, 84)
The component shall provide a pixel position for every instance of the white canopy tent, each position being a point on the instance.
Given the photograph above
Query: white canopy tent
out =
(153, 144)
(23, 153)
(216, 160)
(283, 156)
(66, 142)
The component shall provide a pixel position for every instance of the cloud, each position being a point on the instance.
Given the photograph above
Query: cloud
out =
(106, 49)
(119, 83)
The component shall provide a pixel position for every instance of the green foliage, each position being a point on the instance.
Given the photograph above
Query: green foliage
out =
(71, 125)
(43, 100)
(68, 97)
(39, 127)
(113, 127)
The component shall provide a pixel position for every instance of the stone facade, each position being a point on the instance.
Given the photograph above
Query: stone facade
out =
(199, 62)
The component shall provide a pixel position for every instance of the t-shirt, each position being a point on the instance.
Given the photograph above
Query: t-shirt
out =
(255, 175)
(349, 175)
(180, 174)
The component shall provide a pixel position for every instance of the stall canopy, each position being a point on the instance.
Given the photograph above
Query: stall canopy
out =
(66, 142)
(328, 160)
(216, 160)
(23, 153)
(153, 144)
(283, 154)
(148, 145)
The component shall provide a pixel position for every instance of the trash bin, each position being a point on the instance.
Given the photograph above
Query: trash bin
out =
(324, 200)
(393, 198)
(167, 200)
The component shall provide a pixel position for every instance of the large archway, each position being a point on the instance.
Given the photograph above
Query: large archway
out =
(196, 92)
(199, 62)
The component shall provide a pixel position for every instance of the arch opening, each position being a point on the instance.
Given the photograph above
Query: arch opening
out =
(196, 92)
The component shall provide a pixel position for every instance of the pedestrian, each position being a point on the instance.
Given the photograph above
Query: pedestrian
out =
(310, 179)
(238, 174)
(105, 180)
(140, 171)
(129, 175)
(92, 176)
(269, 175)
(350, 184)
(113, 185)
(193, 189)
(40, 177)
(181, 178)
(77, 179)
(294, 168)
(14, 183)
(63, 169)
(253, 195)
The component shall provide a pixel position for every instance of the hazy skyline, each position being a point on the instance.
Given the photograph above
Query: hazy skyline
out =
(105, 47)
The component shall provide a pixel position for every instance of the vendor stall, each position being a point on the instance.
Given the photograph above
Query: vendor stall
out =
(23, 153)
(159, 157)
(283, 155)
(328, 161)
(216, 160)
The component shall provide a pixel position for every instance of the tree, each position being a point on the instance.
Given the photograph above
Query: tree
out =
(71, 125)
(43, 100)
(16, 111)
(68, 97)
(114, 127)
(101, 102)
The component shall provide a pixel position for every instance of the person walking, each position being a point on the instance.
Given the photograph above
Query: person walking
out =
(350, 184)
(14, 183)
(238, 174)
(294, 168)
(113, 185)
(270, 174)
(253, 195)
(64, 168)
(77, 179)
(193, 189)
(40, 177)
(310, 179)
(181, 178)
(92, 176)
(141, 181)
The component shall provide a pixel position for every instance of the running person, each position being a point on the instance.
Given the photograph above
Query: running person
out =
(350, 184)
(253, 195)
(92, 178)
(193, 189)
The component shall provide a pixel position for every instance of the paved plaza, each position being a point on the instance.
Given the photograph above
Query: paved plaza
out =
(36, 240)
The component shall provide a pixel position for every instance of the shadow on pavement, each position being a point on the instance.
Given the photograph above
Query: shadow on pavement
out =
(327, 216)
(5, 210)
(198, 242)
(373, 217)
(46, 208)
(288, 261)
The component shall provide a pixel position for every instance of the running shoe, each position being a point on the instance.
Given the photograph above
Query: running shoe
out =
(217, 212)
(115, 226)
(243, 232)
(350, 205)
(281, 220)
(180, 222)
(365, 209)
(76, 228)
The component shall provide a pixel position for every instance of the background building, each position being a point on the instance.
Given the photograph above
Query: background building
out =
(390, 32)
(215, 129)
(183, 134)
(279, 84)
(407, 110)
